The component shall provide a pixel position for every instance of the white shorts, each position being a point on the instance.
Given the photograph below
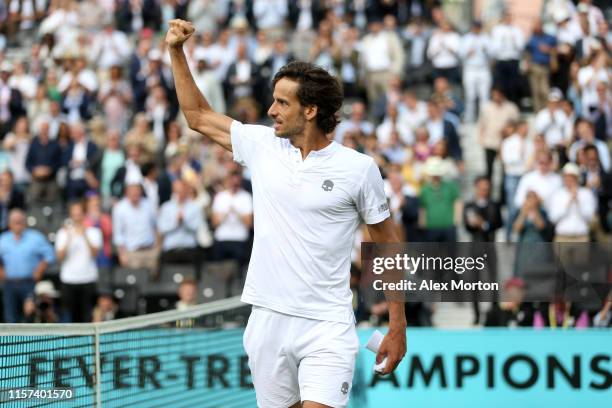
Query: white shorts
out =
(295, 359)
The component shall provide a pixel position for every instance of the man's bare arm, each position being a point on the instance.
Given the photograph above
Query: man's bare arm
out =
(394, 344)
(200, 116)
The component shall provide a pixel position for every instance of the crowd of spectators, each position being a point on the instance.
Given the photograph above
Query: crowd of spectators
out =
(91, 132)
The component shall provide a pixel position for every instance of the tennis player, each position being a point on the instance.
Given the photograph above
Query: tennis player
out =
(309, 196)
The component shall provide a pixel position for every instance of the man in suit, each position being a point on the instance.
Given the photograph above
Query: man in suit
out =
(482, 217)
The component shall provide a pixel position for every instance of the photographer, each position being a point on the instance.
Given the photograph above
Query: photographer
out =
(41, 308)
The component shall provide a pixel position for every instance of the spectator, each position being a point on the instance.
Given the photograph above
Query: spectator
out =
(241, 76)
(482, 217)
(440, 204)
(187, 293)
(574, 208)
(115, 96)
(554, 125)
(515, 152)
(178, 222)
(440, 128)
(443, 51)
(589, 76)
(232, 218)
(595, 178)
(105, 164)
(95, 218)
(79, 153)
(42, 306)
(76, 103)
(11, 103)
(601, 114)
(508, 44)
(10, 198)
(532, 227)
(476, 53)
(540, 48)
(543, 181)
(24, 257)
(43, 161)
(586, 136)
(77, 247)
(603, 318)
(129, 171)
(413, 112)
(207, 82)
(391, 124)
(109, 47)
(417, 36)
(382, 56)
(513, 311)
(17, 144)
(494, 117)
(106, 308)
(357, 122)
(134, 230)
(141, 134)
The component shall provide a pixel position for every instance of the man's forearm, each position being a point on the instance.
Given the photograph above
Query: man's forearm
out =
(397, 315)
(189, 96)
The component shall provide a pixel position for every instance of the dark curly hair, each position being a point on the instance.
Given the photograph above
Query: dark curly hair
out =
(316, 87)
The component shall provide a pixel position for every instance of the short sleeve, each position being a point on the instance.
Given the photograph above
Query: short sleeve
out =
(247, 141)
(371, 200)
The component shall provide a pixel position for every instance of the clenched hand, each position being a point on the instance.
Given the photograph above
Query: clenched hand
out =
(178, 32)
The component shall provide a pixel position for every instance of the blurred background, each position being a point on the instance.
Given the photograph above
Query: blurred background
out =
(491, 121)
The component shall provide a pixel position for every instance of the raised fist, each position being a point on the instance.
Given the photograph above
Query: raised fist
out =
(178, 32)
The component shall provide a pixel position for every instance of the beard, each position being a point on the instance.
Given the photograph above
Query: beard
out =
(292, 128)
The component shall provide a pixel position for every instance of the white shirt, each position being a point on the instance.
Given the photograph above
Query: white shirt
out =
(443, 49)
(79, 266)
(544, 185)
(134, 226)
(508, 42)
(515, 152)
(413, 118)
(572, 218)
(556, 127)
(475, 50)
(235, 206)
(376, 52)
(306, 214)
(587, 80)
(383, 132)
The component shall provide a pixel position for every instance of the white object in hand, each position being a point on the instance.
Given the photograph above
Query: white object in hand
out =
(374, 345)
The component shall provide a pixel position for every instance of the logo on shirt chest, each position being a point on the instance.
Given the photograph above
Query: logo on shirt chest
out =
(327, 185)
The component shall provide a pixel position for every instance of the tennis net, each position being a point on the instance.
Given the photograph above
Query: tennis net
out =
(179, 358)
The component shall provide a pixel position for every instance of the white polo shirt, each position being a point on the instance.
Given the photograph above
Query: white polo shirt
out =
(306, 213)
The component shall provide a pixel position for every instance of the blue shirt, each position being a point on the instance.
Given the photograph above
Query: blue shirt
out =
(177, 235)
(20, 257)
(533, 48)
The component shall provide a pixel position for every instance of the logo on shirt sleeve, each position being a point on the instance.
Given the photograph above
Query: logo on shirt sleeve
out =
(382, 208)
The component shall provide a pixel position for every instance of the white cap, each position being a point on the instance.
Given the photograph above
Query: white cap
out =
(571, 169)
(434, 167)
(583, 8)
(555, 95)
(45, 288)
(6, 66)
